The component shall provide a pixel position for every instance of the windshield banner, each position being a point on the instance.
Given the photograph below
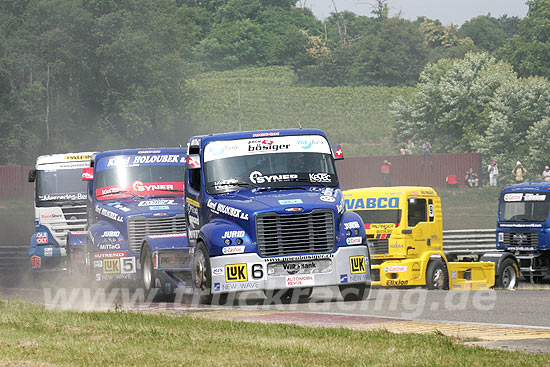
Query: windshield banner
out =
(124, 161)
(279, 144)
(138, 188)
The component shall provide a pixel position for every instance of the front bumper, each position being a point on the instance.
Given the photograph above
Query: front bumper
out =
(244, 272)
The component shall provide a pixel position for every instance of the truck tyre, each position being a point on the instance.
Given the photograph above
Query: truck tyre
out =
(354, 292)
(147, 271)
(507, 275)
(437, 276)
(202, 274)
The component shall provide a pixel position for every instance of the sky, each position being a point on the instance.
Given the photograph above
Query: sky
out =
(447, 11)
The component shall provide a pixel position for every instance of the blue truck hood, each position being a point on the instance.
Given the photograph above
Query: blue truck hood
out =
(281, 201)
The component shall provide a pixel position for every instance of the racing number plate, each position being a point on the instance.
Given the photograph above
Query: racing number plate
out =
(236, 273)
(111, 266)
(357, 264)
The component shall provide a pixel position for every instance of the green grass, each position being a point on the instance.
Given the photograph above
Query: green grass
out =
(32, 335)
(356, 117)
(469, 208)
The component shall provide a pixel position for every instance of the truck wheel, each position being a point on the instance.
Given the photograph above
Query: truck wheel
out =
(202, 278)
(507, 275)
(354, 292)
(147, 271)
(437, 276)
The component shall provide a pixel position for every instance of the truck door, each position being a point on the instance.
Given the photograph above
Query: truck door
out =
(193, 197)
(419, 214)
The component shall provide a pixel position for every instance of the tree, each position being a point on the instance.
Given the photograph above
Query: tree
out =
(529, 50)
(395, 55)
(486, 32)
(450, 106)
(518, 115)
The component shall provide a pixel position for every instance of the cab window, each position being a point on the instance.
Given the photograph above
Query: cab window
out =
(417, 211)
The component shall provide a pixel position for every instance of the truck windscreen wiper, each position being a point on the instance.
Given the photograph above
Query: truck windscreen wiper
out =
(120, 192)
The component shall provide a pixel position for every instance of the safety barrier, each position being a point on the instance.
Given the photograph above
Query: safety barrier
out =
(469, 241)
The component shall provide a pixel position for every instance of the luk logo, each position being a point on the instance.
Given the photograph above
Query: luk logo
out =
(357, 264)
(236, 273)
(111, 266)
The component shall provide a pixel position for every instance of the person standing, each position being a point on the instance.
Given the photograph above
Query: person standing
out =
(386, 172)
(427, 151)
(493, 173)
(546, 173)
(519, 172)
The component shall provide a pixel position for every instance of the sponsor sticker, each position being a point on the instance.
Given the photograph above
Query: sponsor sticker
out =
(217, 271)
(233, 250)
(290, 201)
(343, 278)
(233, 234)
(300, 280)
(395, 269)
(236, 273)
(109, 255)
(357, 264)
(36, 262)
(48, 251)
(513, 197)
(98, 263)
(328, 199)
(354, 240)
(351, 225)
(41, 238)
(111, 266)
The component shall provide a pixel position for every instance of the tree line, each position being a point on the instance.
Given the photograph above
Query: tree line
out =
(100, 74)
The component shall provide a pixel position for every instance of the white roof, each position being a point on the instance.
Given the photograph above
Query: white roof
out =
(64, 161)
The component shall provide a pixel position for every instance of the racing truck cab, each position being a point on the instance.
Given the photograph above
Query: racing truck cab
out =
(265, 212)
(59, 207)
(523, 227)
(136, 230)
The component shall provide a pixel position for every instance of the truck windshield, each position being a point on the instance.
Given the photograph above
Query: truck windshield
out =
(139, 175)
(286, 161)
(54, 186)
(380, 216)
(524, 207)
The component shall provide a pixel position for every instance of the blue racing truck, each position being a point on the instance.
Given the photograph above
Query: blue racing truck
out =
(136, 231)
(523, 227)
(265, 212)
(59, 207)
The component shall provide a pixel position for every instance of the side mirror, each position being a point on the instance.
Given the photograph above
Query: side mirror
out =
(193, 161)
(88, 174)
(32, 175)
(337, 152)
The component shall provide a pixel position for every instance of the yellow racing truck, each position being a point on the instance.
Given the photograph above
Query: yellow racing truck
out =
(405, 235)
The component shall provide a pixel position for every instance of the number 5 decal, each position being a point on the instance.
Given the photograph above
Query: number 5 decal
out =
(128, 265)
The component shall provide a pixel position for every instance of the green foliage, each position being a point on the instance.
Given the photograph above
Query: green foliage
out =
(529, 50)
(488, 33)
(450, 106)
(357, 117)
(517, 121)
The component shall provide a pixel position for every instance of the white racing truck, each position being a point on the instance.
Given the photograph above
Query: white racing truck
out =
(59, 207)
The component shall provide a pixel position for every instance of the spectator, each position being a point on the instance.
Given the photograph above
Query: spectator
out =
(519, 172)
(386, 172)
(493, 173)
(472, 178)
(408, 149)
(427, 151)
(546, 173)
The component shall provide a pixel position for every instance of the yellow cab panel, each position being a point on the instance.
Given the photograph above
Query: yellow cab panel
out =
(404, 227)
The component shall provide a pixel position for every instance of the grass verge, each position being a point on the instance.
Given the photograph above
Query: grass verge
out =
(32, 335)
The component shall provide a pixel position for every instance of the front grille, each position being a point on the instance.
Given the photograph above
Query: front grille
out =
(139, 227)
(286, 234)
(74, 219)
(521, 239)
(378, 246)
